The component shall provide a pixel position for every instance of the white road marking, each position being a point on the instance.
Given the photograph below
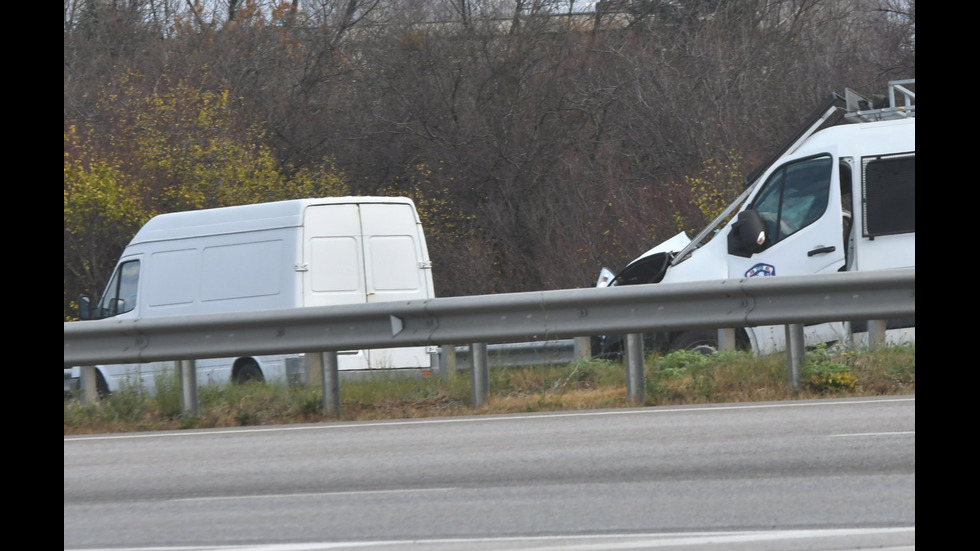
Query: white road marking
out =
(556, 543)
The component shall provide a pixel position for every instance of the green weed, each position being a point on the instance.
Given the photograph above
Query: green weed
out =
(828, 370)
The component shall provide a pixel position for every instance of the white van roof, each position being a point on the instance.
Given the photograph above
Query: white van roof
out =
(865, 139)
(242, 218)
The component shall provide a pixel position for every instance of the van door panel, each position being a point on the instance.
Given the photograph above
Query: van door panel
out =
(334, 256)
(335, 266)
(394, 266)
(171, 283)
(817, 247)
(392, 252)
(242, 271)
(360, 253)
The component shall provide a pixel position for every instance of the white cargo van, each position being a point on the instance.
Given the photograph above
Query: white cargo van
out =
(298, 253)
(839, 196)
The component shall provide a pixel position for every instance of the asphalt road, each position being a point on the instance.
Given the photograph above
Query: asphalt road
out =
(793, 476)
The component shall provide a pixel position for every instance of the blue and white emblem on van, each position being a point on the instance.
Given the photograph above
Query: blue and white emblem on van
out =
(761, 270)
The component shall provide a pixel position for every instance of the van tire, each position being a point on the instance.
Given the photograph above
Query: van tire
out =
(249, 372)
(101, 387)
(704, 341)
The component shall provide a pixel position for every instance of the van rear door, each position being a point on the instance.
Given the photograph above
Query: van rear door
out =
(357, 253)
(334, 256)
(395, 259)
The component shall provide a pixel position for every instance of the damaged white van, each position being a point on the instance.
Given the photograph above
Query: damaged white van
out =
(298, 253)
(839, 196)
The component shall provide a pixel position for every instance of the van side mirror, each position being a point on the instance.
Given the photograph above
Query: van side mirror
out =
(749, 234)
(84, 308)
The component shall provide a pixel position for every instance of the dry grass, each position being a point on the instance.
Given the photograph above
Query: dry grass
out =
(674, 379)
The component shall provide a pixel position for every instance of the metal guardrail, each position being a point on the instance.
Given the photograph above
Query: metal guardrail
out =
(517, 354)
(516, 317)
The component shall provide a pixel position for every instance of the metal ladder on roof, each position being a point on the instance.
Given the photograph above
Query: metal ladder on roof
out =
(899, 104)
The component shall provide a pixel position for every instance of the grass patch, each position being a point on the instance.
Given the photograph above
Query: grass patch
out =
(677, 378)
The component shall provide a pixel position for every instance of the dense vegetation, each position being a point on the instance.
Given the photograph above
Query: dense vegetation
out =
(681, 377)
(540, 139)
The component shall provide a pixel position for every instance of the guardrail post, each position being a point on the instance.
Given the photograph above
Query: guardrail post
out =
(188, 387)
(795, 353)
(583, 348)
(726, 339)
(847, 339)
(447, 361)
(90, 391)
(331, 384)
(479, 374)
(876, 334)
(635, 385)
(314, 367)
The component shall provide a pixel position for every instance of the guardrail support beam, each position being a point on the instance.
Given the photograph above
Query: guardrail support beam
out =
(876, 334)
(847, 339)
(583, 348)
(479, 374)
(795, 353)
(314, 367)
(635, 385)
(331, 384)
(90, 391)
(447, 361)
(726, 339)
(188, 387)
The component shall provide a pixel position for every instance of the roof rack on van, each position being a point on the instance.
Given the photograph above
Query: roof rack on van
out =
(880, 108)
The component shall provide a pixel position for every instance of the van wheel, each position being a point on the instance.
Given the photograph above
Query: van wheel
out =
(703, 340)
(101, 387)
(610, 347)
(249, 372)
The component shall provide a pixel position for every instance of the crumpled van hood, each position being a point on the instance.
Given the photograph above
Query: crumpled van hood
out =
(649, 267)
(672, 245)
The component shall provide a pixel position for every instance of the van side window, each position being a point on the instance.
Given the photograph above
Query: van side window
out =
(846, 200)
(889, 195)
(794, 196)
(120, 293)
